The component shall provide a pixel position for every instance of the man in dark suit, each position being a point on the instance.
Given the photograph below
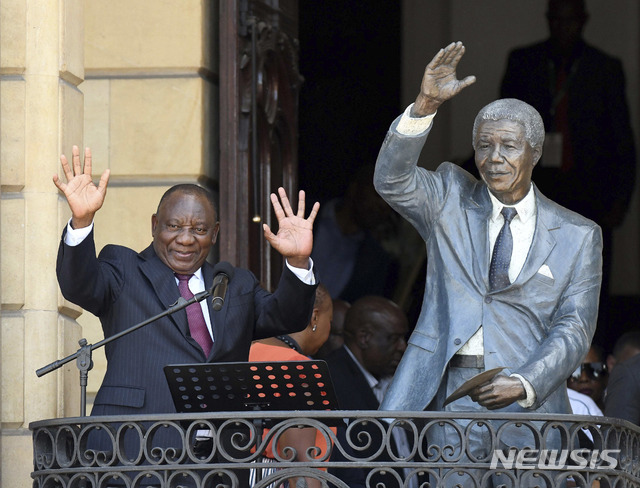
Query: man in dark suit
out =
(589, 160)
(523, 296)
(623, 390)
(123, 287)
(375, 330)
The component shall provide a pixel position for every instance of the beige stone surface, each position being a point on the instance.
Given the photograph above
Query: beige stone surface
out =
(72, 40)
(125, 34)
(12, 250)
(41, 252)
(96, 121)
(12, 368)
(71, 126)
(13, 20)
(42, 131)
(12, 123)
(16, 459)
(156, 127)
(137, 204)
(42, 38)
(42, 395)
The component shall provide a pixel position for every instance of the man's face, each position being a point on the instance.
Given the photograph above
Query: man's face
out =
(386, 344)
(184, 229)
(505, 159)
(566, 21)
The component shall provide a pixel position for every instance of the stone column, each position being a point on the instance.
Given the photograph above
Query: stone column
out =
(41, 66)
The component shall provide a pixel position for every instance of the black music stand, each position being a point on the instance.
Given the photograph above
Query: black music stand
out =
(244, 386)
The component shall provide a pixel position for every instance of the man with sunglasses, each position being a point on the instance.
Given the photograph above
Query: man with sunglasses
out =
(590, 378)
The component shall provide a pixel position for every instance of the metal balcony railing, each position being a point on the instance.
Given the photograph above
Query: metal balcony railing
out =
(160, 450)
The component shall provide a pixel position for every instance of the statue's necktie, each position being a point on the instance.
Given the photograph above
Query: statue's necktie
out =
(197, 324)
(499, 268)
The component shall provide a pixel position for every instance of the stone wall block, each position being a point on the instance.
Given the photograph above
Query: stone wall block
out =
(12, 250)
(12, 368)
(12, 122)
(41, 247)
(139, 34)
(71, 127)
(13, 25)
(156, 127)
(96, 121)
(72, 41)
(15, 469)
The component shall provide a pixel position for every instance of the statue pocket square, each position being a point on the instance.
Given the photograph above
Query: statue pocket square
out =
(545, 271)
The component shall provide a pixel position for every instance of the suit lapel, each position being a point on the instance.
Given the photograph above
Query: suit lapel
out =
(162, 280)
(478, 211)
(543, 239)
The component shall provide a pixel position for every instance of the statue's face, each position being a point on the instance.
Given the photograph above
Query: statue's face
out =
(505, 159)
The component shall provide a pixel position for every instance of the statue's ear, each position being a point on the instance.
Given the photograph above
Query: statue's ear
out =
(537, 153)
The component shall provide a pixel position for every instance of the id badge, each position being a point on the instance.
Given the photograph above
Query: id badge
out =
(552, 150)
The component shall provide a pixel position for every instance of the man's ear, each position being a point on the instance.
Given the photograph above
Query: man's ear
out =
(363, 338)
(313, 324)
(154, 224)
(214, 237)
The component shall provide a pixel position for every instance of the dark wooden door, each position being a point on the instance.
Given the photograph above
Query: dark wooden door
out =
(259, 89)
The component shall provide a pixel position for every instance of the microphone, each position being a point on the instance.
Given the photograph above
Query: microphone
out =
(222, 274)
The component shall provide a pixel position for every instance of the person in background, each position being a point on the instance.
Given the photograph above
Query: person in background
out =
(299, 346)
(348, 246)
(591, 377)
(589, 159)
(336, 336)
(375, 331)
(623, 391)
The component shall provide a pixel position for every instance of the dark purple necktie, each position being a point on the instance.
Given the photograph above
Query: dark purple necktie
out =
(501, 259)
(197, 324)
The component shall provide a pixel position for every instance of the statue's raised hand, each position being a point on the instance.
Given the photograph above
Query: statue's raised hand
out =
(440, 82)
(83, 196)
(294, 239)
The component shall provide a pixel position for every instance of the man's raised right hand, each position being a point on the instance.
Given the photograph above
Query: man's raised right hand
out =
(83, 196)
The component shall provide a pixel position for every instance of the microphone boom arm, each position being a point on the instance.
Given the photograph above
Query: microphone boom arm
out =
(83, 355)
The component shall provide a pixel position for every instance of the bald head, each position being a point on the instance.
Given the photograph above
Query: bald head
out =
(375, 332)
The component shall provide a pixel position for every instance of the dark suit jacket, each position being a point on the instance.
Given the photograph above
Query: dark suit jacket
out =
(123, 288)
(354, 393)
(540, 326)
(623, 391)
(599, 124)
(351, 387)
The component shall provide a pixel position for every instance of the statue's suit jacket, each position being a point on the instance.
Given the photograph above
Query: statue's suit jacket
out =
(540, 326)
(123, 288)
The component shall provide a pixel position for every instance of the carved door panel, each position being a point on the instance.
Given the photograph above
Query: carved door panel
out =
(259, 87)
